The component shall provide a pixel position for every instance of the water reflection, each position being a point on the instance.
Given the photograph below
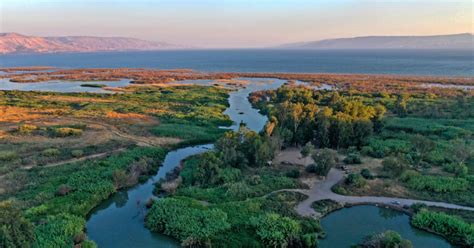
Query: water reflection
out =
(388, 213)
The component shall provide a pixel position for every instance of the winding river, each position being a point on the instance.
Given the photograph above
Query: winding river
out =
(119, 221)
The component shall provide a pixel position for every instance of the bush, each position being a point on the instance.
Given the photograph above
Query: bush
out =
(8, 155)
(77, 153)
(457, 168)
(63, 190)
(51, 152)
(311, 168)
(453, 228)
(65, 132)
(294, 173)
(26, 129)
(394, 166)
(366, 174)
(353, 158)
(355, 180)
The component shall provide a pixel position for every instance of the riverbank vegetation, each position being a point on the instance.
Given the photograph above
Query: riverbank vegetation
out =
(398, 136)
(233, 185)
(48, 188)
(401, 143)
(456, 230)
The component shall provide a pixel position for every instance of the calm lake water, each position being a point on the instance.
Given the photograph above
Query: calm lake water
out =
(404, 62)
(349, 226)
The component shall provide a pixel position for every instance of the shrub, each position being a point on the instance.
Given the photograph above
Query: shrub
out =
(51, 152)
(77, 153)
(120, 178)
(8, 155)
(311, 168)
(63, 190)
(457, 168)
(26, 129)
(65, 132)
(355, 180)
(294, 173)
(394, 166)
(353, 158)
(255, 180)
(366, 173)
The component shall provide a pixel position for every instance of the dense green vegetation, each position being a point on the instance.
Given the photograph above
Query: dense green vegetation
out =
(387, 239)
(233, 184)
(426, 143)
(453, 228)
(58, 199)
(48, 205)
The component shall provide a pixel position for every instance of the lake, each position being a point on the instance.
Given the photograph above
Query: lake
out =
(399, 62)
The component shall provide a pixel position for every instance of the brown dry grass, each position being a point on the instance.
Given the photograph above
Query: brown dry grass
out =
(18, 114)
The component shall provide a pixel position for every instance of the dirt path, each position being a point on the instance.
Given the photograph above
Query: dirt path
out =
(322, 190)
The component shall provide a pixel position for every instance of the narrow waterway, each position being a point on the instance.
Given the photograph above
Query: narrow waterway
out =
(119, 221)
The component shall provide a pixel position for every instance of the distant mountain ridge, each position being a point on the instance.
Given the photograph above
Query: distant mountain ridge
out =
(452, 41)
(17, 43)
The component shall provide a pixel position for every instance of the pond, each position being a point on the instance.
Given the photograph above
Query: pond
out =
(62, 86)
(349, 226)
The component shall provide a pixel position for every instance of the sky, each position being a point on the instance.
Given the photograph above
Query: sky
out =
(236, 23)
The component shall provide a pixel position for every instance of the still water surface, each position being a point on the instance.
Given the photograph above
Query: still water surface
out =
(349, 226)
(399, 62)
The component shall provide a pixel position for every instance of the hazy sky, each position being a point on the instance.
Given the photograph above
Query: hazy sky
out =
(236, 23)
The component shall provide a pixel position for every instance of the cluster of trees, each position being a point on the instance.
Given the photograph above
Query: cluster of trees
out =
(299, 115)
(232, 152)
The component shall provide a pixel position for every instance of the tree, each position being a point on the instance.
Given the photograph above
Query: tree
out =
(422, 145)
(209, 171)
(307, 150)
(15, 230)
(324, 159)
(401, 105)
(394, 166)
(323, 124)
